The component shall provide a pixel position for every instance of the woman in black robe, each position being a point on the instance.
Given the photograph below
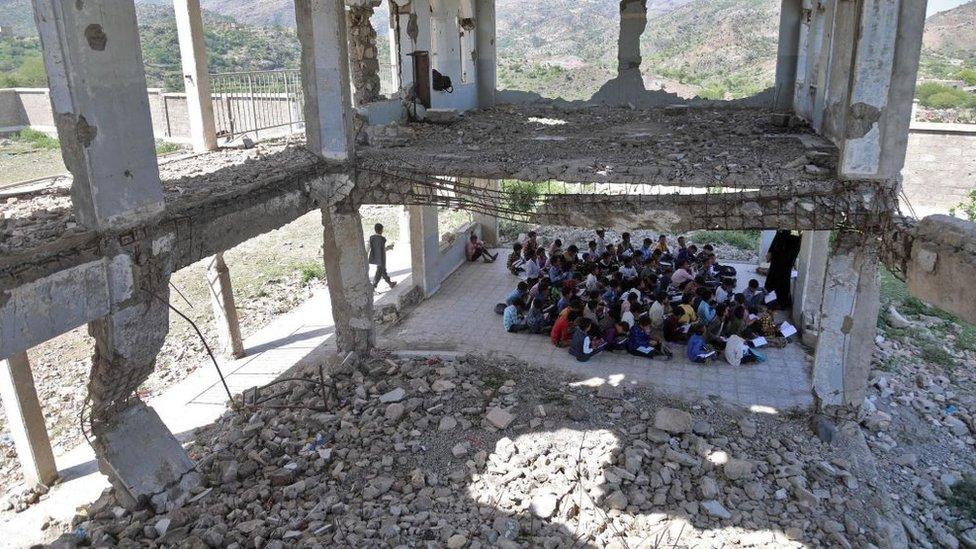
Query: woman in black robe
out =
(782, 255)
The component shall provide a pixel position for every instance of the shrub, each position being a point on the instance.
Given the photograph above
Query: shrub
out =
(938, 96)
(744, 240)
(963, 496)
(966, 209)
(968, 76)
(522, 195)
(311, 271)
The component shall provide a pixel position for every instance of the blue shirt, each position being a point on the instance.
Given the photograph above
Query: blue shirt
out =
(637, 338)
(696, 346)
(510, 317)
(705, 312)
(513, 296)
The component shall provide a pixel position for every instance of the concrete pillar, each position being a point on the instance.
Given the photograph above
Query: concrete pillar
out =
(489, 223)
(835, 93)
(26, 421)
(633, 22)
(196, 77)
(321, 27)
(225, 312)
(487, 52)
(424, 248)
(790, 16)
(870, 116)
(139, 455)
(98, 95)
(848, 321)
(765, 241)
(809, 286)
(347, 275)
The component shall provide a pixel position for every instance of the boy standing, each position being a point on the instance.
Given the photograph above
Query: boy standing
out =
(377, 256)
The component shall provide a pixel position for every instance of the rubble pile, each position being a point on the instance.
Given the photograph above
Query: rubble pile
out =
(477, 453)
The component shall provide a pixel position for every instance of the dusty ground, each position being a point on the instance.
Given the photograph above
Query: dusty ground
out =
(19, 163)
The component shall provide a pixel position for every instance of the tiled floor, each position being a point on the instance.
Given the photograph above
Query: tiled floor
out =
(460, 317)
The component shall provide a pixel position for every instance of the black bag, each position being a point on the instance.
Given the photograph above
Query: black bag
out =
(442, 83)
(500, 308)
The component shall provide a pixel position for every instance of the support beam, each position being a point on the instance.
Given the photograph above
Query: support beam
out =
(26, 421)
(848, 321)
(489, 223)
(424, 248)
(809, 286)
(196, 77)
(486, 51)
(790, 17)
(321, 26)
(347, 275)
(224, 309)
(98, 94)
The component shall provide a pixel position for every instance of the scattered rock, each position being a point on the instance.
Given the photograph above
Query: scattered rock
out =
(673, 420)
(499, 418)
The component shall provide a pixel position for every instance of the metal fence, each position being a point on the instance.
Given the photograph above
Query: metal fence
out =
(262, 103)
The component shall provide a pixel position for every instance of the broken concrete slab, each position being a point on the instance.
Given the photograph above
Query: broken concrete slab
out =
(143, 460)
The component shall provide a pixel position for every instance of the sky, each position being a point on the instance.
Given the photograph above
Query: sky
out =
(936, 6)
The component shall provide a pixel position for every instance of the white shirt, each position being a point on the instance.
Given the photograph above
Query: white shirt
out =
(656, 314)
(721, 295)
(532, 269)
(629, 273)
(627, 317)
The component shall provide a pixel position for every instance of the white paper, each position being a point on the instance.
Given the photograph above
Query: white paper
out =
(771, 296)
(794, 273)
(707, 355)
(685, 328)
(787, 329)
(645, 350)
(752, 317)
(759, 342)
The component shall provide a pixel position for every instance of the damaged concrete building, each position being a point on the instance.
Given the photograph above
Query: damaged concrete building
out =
(822, 151)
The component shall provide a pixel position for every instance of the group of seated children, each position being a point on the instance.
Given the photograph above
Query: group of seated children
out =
(632, 298)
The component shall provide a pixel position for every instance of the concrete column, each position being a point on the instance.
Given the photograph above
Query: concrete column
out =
(633, 22)
(487, 52)
(196, 77)
(790, 16)
(808, 290)
(848, 321)
(225, 312)
(901, 94)
(346, 273)
(874, 59)
(765, 241)
(489, 223)
(424, 248)
(321, 27)
(26, 421)
(834, 94)
(140, 456)
(98, 95)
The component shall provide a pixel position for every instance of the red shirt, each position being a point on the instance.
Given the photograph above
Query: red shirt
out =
(560, 331)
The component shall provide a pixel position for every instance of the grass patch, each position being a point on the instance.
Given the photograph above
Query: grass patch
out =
(744, 240)
(163, 147)
(935, 354)
(311, 271)
(963, 496)
(35, 139)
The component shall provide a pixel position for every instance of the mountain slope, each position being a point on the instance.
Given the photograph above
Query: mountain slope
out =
(949, 46)
(230, 46)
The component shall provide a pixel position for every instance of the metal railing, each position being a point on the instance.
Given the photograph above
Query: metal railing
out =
(253, 102)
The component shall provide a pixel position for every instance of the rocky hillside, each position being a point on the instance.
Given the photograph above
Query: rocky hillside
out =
(950, 43)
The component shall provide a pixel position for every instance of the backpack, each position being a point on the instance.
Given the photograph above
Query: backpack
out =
(442, 83)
